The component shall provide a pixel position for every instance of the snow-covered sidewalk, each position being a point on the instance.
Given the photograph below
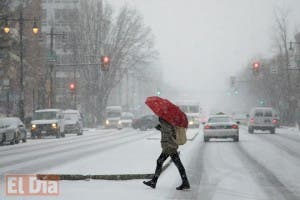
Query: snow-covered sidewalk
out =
(133, 158)
(137, 157)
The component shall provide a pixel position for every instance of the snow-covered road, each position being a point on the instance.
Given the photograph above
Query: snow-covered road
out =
(260, 167)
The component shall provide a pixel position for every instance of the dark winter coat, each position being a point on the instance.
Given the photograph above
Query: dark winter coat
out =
(168, 136)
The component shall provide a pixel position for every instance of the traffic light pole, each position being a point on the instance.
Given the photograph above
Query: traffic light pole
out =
(21, 100)
(51, 70)
(51, 100)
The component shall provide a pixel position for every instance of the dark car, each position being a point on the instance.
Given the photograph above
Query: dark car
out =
(12, 130)
(145, 122)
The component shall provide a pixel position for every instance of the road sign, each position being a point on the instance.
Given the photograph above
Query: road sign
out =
(52, 58)
(274, 69)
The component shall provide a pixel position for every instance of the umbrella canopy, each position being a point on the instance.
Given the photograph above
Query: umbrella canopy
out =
(167, 110)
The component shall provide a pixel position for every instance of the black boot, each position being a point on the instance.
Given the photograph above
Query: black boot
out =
(185, 185)
(160, 161)
(151, 183)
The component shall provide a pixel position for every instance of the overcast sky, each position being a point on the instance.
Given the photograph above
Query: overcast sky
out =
(203, 42)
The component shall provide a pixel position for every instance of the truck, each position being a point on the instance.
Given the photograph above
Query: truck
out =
(113, 116)
(192, 110)
(46, 122)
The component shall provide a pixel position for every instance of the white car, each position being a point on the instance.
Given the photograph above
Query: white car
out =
(221, 126)
(72, 122)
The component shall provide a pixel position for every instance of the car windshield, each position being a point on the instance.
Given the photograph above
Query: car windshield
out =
(127, 117)
(259, 114)
(70, 116)
(268, 114)
(44, 115)
(113, 114)
(219, 120)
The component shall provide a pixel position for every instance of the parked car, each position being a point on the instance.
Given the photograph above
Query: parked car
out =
(12, 130)
(145, 122)
(221, 126)
(126, 119)
(47, 122)
(263, 118)
(72, 122)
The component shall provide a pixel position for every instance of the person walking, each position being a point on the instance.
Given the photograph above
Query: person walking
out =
(169, 148)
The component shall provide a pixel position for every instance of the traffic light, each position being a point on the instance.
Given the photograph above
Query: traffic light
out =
(72, 87)
(158, 93)
(105, 63)
(256, 67)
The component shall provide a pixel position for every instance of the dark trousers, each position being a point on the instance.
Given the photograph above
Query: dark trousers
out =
(175, 158)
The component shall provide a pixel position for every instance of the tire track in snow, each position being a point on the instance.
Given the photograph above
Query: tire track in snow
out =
(43, 142)
(287, 137)
(57, 143)
(284, 147)
(68, 156)
(54, 152)
(273, 187)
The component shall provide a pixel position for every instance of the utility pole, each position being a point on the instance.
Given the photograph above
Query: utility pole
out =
(52, 59)
(21, 100)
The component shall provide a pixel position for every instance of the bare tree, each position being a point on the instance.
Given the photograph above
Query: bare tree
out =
(122, 36)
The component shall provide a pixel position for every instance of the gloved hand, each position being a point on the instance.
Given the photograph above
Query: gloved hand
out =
(158, 127)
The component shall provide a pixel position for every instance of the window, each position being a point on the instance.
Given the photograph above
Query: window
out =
(219, 119)
(259, 114)
(268, 114)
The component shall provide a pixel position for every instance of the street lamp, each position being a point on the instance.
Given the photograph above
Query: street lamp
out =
(35, 31)
(35, 28)
(6, 27)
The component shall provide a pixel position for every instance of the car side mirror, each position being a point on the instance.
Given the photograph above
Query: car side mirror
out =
(203, 123)
(21, 126)
(238, 122)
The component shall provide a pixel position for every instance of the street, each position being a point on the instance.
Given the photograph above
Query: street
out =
(260, 166)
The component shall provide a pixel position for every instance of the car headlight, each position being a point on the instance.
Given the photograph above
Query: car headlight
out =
(120, 122)
(33, 126)
(191, 122)
(107, 122)
(54, 125)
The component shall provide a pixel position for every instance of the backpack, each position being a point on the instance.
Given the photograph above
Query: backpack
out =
(180, 135)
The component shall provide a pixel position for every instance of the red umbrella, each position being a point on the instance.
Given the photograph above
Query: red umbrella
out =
(167, 110)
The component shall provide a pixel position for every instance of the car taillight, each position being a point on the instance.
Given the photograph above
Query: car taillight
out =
(235, 126)
(207, 127)
(274, 121)
(252, 121)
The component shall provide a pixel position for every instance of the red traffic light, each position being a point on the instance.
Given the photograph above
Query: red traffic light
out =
(72, 86)
(105, 63)
(256, 65)
(105, 59)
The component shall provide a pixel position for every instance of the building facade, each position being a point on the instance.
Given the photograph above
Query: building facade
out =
(60, 15)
